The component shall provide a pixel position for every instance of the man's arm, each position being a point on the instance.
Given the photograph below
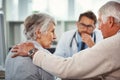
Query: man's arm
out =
(89, 63)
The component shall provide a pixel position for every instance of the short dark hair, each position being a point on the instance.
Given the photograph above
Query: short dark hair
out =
(90, 15)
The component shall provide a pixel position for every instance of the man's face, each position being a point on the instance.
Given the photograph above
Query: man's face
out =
(85, 25)
(48, 37)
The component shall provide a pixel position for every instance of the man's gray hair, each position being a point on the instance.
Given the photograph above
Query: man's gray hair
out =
(111, 8)
(34, 21)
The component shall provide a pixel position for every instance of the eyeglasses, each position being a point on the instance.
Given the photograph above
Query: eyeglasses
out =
(88, 26)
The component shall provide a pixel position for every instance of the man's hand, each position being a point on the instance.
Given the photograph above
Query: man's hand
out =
(87, 39)
(22, 49)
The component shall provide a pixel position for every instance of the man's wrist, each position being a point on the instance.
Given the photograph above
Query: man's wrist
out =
(32, 52)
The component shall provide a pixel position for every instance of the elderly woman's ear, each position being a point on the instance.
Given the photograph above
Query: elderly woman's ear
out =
(38, 33)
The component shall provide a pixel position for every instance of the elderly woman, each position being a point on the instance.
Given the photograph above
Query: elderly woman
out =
(39, 29)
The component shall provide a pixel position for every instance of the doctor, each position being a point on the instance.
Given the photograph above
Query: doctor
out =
(83, 37)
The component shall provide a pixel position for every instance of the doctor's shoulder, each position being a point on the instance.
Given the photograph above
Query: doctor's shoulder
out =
(98, 34)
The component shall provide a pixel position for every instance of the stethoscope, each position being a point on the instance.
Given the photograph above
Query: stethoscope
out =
(83, 44)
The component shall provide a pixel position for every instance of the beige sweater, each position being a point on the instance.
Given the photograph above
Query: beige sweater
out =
(100, 60)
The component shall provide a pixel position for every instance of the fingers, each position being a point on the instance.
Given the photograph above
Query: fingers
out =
(15, 55)
(14, 48)
(86, 37)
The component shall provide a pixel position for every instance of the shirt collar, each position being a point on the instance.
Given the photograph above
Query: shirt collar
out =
(78, 37)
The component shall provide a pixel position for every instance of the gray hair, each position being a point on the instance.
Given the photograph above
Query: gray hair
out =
(111, 8)
(34, 21)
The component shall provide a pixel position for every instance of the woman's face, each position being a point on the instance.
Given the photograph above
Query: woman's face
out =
(48, 37)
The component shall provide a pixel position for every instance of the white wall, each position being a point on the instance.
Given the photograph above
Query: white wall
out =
(2, 41)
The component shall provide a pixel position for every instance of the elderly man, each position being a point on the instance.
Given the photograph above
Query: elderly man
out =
(100, 61)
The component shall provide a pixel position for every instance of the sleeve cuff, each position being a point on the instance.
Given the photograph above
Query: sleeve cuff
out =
(38, 58)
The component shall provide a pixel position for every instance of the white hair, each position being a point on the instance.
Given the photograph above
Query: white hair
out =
(34, 21)
(111, 8)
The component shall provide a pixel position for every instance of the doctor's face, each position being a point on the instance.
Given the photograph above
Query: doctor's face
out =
(85, 25)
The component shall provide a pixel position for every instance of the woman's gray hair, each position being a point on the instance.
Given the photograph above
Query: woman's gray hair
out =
(111, 8)
(34, 21)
